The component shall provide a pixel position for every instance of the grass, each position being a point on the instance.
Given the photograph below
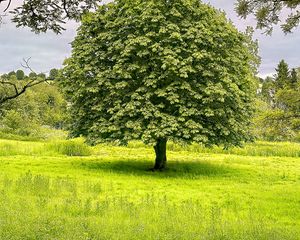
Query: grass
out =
(67, 190)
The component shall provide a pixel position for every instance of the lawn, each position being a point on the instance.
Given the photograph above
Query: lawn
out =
(66, 190)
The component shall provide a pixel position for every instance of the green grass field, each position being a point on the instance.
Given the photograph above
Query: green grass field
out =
(66, 190)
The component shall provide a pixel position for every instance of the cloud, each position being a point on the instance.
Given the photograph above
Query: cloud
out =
(46, 50)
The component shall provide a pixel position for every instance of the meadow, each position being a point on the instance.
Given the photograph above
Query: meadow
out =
(64, 189)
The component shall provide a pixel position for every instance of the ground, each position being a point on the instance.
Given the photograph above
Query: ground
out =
(66, 190)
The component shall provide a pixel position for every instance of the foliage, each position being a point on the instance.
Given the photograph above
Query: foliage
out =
(282, 75)
(110, 195)
(15, 84)
(41, 105)
(294, 79)
(44, 15)
(268, 90)
(20, 124)
(20, 74)
(267, 13)
(175, 70)
(279, 117)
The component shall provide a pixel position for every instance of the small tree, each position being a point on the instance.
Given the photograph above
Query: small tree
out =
(158, 71)
(282, 75)
(53, 74)
(294, 79)
(20, 74)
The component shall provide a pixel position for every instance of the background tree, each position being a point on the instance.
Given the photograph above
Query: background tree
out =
(282, 78)
(44, 15)
(267, 13)
(278, 109)
(11, 87)
(34, 113)
(268, 91)
(159, 71)
(53, 74)
(12, 73)
(20, 74)
(294, 78)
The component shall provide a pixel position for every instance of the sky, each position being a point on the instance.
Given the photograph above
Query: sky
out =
(49, 50)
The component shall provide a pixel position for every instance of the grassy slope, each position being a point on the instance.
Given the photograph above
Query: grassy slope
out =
(251, 193)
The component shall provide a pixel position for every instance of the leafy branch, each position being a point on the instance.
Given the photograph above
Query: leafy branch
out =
(44, 15)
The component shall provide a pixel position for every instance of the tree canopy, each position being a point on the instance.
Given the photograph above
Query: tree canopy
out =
(157, 71)
(267, 13)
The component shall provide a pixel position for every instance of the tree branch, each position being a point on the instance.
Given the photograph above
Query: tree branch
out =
(19, 90)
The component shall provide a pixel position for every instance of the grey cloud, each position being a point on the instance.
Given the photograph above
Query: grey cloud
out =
(46, 50)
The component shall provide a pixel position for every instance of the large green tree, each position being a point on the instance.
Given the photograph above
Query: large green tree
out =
(160, 70)
(269, 12)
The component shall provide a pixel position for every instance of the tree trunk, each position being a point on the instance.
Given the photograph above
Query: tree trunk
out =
(161, 154)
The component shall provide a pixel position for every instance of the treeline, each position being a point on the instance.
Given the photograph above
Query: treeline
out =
(43, 107)
(37, 111)
(278, 105)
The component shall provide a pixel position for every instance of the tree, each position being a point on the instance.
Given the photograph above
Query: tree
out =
(294, 79)
(268, 91)
(44, 15)
(53, 73)
(278, 115)
(12, 73)
(20, 74)
(282, 75)
(267, 13)
(159, 71)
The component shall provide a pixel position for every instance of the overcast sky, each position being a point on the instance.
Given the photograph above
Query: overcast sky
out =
(49, 50)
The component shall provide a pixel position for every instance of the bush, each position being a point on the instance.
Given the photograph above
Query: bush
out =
(17, 123)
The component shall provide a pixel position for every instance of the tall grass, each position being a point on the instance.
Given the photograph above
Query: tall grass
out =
(43, 134)
(260, 148)
(70, 148)
(75, 147)
(38, 207)
(48, 193)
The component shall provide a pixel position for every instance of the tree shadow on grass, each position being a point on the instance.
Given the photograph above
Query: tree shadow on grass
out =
(175, 169)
